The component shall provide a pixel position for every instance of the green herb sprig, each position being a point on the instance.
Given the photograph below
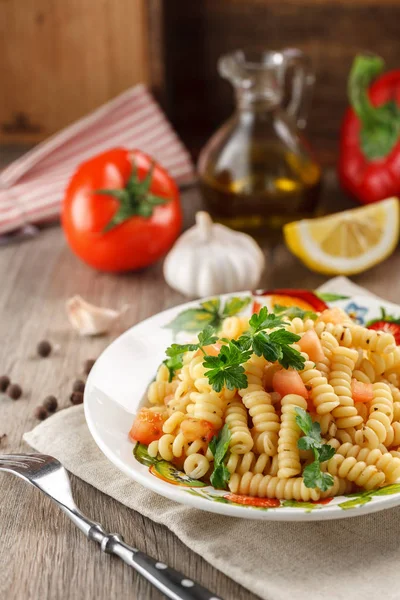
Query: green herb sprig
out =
(175, 352)
(312, 474)
(219, 446)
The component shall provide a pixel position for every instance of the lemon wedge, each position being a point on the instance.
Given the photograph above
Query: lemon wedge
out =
(348, 242)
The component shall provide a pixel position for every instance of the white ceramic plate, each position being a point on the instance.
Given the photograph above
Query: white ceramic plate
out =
(116, 388)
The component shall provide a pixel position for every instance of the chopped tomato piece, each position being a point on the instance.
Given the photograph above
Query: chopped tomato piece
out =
(336, 315)
(311, 345)
(251, 501)
(147, 426)
(268, 374)
(197, 429)
(288, 381)
(361, 392)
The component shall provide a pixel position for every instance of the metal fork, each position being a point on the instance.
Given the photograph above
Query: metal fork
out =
(49, 476)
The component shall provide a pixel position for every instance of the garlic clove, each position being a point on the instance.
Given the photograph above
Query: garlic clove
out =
(88, 319)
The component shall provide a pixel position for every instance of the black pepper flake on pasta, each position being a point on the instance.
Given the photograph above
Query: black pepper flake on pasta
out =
(4, 383)
(342, 336)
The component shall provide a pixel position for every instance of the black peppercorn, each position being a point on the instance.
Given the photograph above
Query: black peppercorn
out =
(14, 391)
(78, 386)
(41, 413)
(4, 383)
(50, 403)
(76, 398)
(44, 348)
(87, 366)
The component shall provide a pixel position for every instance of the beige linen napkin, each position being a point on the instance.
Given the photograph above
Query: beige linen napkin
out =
(352, 559)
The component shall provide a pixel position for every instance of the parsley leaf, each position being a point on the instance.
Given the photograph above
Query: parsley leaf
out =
(207, 337)
(226, 368)
(219, 446)
(312, 474)
(265, 320)
(264, 346)
(314, 478)
(175, 352)
(291, 358)
(274, 346)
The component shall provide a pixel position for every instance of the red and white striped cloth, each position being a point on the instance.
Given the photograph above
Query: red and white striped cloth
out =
(32, 187)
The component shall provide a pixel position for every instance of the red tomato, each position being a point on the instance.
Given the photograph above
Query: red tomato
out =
(289, 382)
(361, 392)
(251, 501)
(130, 227)
(311, 345)
(147, 427)
(197, 429)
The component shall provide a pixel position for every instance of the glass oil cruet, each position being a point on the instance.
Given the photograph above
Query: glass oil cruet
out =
(257, 171)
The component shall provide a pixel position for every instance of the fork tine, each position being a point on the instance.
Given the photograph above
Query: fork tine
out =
(27, 458)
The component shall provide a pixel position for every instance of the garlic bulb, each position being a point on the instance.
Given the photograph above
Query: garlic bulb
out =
(212, 259)
(89, 319)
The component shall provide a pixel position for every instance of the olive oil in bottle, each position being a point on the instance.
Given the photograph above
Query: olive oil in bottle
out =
(257, 172)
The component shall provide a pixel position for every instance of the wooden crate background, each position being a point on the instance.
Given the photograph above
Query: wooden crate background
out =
(187, 38)
(60, 59)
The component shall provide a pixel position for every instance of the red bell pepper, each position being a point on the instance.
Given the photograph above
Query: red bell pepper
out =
(369, 164)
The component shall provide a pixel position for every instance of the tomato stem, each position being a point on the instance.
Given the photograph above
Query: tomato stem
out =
(135, 199)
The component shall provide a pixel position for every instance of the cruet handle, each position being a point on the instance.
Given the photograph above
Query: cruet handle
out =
(302, 84)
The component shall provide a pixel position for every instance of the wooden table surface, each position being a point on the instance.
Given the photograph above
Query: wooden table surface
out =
(42, 555)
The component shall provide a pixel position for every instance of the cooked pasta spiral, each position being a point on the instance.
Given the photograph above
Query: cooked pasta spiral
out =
(322, 393)
(196, 466)
(359, 337)
(385, 462)
(375, 431)
(357, 471)
(236, 419)
(234, 327)
(243, 463)
(267, 486)
(343, 362)
(289, 434)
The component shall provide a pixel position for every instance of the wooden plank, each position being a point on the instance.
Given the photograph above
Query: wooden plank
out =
(63, 59)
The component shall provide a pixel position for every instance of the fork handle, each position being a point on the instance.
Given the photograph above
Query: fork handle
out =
(170, 582)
